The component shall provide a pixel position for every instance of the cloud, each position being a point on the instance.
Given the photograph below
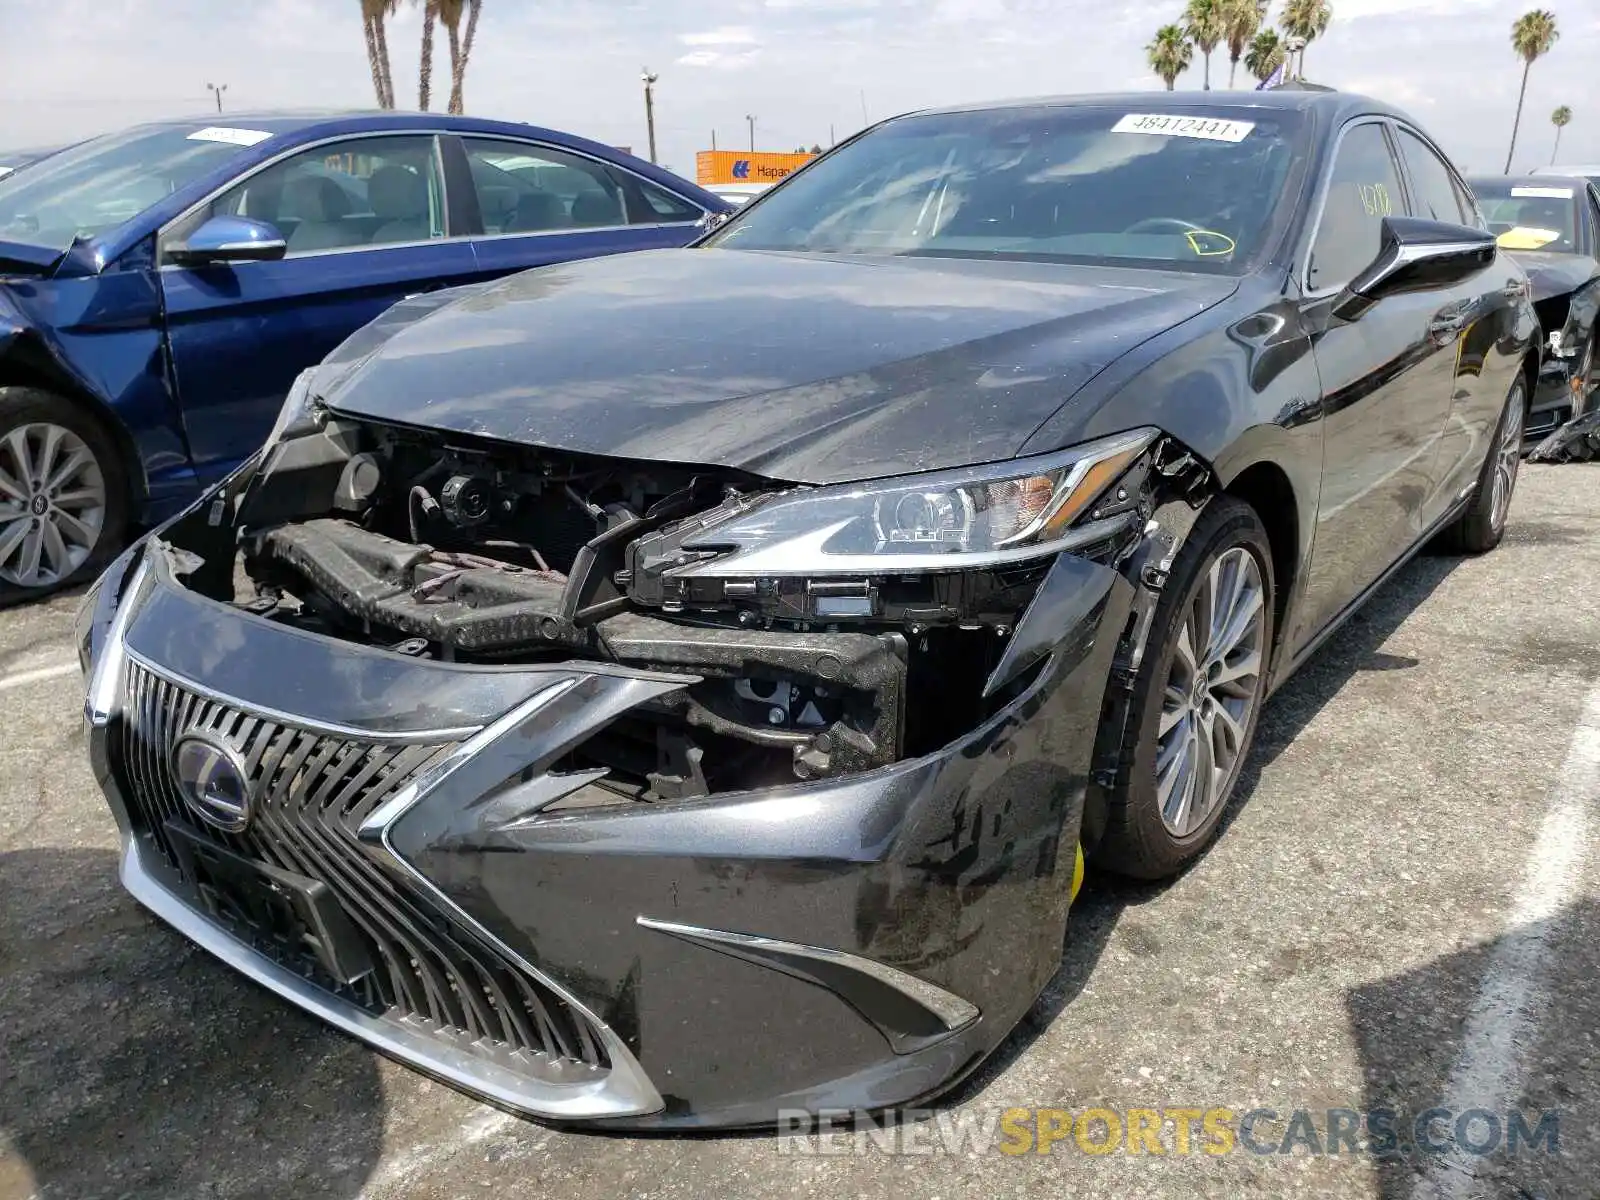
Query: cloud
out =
(725, 35)
(720, 60)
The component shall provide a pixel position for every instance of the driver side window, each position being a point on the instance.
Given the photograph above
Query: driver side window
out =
(1363, 189)
(375, 191)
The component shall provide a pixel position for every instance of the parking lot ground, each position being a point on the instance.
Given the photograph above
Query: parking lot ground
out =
(1403, 912)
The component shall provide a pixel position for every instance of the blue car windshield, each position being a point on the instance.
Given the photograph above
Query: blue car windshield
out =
(1193, 189)
(101, 183)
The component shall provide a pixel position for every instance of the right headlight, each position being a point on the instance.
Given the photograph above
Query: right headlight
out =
(945, 520)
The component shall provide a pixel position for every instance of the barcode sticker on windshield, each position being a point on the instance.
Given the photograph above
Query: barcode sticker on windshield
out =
(220, 133)
(1212, 129)
(1542, 193)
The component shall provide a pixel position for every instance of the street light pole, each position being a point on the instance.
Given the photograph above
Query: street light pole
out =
(751, 121)
(1295, 45)
(650, 107)
(217, 91)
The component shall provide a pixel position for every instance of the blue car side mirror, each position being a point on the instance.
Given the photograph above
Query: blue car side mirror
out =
(230, 240)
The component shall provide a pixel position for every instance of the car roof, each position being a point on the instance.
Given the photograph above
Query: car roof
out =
(311, 121)
(1337, 105)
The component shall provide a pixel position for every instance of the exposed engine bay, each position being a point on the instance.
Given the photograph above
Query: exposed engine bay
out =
(469, 550)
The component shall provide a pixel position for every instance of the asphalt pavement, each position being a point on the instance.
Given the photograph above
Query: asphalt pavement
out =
(1402, 914)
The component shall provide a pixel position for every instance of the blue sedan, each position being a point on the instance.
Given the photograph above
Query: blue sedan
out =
(160, 289)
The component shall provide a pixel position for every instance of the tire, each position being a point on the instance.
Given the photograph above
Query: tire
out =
(63, 532)
(1480, 528)
(1142, 840)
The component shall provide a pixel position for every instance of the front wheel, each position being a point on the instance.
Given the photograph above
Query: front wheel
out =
(1196, 697)
(63, 504)
(1480, 528)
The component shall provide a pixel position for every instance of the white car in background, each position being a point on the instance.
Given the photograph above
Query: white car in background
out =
(738, 194)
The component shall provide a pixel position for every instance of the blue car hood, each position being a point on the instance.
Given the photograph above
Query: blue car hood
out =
(22, 258)
(809, 368)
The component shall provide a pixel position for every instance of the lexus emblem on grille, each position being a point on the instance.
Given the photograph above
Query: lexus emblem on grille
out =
(211, 777)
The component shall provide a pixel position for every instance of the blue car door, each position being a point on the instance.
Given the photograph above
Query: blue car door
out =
(365, 222)
(540, 204)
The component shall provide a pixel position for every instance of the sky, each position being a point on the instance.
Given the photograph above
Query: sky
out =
(807, 70)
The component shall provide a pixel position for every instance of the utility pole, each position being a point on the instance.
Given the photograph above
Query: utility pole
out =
(217, 91)
(650, 107)
(751, 121)
(713, 139)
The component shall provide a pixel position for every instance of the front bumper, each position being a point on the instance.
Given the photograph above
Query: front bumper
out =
(857, 943)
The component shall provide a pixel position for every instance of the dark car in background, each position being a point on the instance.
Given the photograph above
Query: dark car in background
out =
(672, 690)
(14, 160)
(161, 287)
(1551, 225)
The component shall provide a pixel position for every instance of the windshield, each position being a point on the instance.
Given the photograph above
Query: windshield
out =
(1191, 189)
(1530, 216)
(102, 183)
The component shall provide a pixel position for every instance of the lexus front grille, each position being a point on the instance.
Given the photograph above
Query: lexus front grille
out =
(309, 792)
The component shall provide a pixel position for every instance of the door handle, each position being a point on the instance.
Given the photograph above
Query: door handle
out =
(1442, 329)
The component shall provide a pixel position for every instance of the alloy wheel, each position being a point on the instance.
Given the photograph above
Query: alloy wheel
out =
(1213, 685)
(52, 504)
(1508, 458)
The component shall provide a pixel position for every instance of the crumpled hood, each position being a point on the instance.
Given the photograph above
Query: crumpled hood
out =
(807, 368)
(1553, 274)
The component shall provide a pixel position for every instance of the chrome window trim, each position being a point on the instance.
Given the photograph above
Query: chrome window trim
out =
(532, 233)
(595, 158)
(1303, 273)
(456, 240)
(239, 180)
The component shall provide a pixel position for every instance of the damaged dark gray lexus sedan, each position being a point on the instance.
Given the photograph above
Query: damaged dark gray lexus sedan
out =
(668, 690)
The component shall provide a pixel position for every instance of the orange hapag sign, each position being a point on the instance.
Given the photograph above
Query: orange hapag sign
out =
(740, 166)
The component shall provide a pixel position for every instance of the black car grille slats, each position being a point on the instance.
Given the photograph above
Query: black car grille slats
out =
(311, 791)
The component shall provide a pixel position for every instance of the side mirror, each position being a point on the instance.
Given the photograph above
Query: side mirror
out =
(1417, 255)
(229, 240)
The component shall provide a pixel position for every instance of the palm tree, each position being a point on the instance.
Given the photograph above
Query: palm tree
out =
(1306, 19)
(450, 14)
(430, 14)
(1266, 54)
(1240, 21)
(1170, 53)
(1203, 24)
(1532, 35)
(1561, 118)
(373, 15)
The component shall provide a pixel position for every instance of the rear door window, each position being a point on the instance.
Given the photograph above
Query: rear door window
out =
(528, 188)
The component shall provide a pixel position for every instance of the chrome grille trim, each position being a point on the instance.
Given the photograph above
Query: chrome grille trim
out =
(438, 976)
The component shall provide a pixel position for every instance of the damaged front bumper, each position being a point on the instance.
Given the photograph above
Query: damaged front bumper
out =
(401, 859)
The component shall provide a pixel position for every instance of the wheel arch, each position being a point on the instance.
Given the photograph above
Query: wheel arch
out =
(1266, 487)
(29, 367)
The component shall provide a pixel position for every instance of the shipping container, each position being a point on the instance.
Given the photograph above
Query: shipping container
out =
(739, 166)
